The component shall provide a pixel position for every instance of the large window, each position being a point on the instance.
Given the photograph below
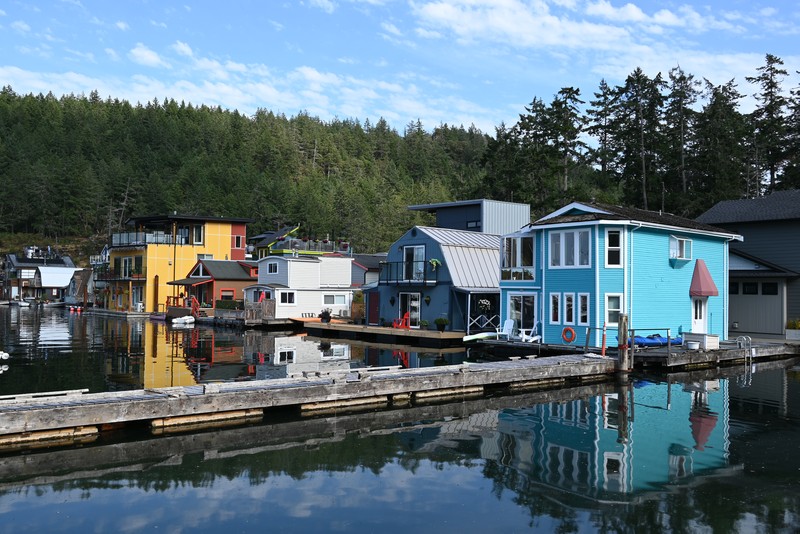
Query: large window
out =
(226, 294)
(522, 308)
(613, 308)
(613, 248)
(414, 262)
(334, 300)
(570, 249)
(518, 258)
(287, 297)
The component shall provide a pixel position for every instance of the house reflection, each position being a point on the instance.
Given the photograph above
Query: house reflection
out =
(641, 437)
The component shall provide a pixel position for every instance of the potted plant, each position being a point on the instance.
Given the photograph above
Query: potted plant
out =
(434, 264)
(441, 323)
(423, 324)
(793, 329)
(325, 316)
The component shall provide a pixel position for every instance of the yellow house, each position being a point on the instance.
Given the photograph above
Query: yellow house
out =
(160, 249)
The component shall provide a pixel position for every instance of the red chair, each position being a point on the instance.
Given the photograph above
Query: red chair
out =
(403, 322)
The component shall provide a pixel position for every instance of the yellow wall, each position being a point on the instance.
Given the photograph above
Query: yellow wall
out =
(173, 262)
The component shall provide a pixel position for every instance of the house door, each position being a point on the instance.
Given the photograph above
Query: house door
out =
(410, 302)
(522, 308)
(699, 313)
(374, 303)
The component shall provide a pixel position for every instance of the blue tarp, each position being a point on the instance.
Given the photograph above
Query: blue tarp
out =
(655, 340)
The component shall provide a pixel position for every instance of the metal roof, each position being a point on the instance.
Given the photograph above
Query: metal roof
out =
(472, 258)
(780, 205)
(56, 276)
(227, 270)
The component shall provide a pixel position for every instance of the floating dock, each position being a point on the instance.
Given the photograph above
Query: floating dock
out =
(28, 421)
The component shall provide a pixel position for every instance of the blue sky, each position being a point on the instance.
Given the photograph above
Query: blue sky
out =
(458, 62)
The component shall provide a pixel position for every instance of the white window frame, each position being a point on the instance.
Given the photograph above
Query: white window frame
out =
(555, 298)
(569, 298)
(288, 298)
(198, 234)
(558, 246)
(238, 241)
(619, 310)
(515, 267)
(618, 248)
(583, 302)
(680, 248)
(272, 267)
(335, 300)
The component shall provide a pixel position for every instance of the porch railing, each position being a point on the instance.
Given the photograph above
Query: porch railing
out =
(407, 272)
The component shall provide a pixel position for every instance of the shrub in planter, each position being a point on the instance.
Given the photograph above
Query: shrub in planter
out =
(325, 316)
(441, 323)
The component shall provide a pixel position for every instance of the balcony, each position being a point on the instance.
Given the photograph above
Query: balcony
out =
(407, 273)
(136, 239)
(311, 246)
(108, 274)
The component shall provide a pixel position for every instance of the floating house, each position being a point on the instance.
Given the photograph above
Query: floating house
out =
(765, 267)
(210, 281)
(159, 249)
(446, 271)
(304, 285)
(435, 272)
(575, 271)
(37, 274)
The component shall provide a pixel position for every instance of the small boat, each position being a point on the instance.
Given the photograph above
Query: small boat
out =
(158, 316)
(54, 304)
(186, 319)
(21, 303)
(480, 335)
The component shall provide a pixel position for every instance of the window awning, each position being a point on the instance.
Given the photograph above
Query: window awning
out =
(702, 283)
(190, 282)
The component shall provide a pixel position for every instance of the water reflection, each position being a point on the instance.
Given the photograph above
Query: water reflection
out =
(709, 451)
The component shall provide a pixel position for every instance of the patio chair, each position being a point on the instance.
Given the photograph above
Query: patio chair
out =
(529, 335)
(403, 322)
(507, 331)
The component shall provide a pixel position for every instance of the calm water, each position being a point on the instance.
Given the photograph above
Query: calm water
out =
(686, 453)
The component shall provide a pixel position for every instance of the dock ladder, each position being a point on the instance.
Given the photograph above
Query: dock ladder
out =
(746, 343)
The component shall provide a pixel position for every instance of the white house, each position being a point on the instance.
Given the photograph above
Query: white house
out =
(302, 285)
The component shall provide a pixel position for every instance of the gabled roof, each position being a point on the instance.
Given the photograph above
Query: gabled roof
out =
(780, 205)
(266, 239)
(744, 264)
(370, 262)
(16, 262)
(577, 212)
(227, 269)
(472, 258)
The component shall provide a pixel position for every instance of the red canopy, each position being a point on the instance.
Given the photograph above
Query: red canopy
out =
(702, 283)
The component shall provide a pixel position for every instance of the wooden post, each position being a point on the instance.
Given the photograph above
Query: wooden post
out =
(624, 361)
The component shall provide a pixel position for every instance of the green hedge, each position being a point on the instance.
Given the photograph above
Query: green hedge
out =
(229, 305)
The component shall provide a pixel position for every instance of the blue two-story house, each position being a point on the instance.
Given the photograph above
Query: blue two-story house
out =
(575, 271)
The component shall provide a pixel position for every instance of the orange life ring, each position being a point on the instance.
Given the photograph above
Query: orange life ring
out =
(568, 335)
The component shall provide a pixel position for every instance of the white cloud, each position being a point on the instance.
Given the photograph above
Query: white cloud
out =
(2, 13)
(277, 25)
(122, 25)
(144, 56)
(112, 54)
(20, 26)
(326, 5)
(89, 56)
(182, 49)
(158, 24)
(391, 28)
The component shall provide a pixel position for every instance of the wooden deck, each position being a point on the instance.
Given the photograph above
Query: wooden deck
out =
(73, 417)
(380, 334)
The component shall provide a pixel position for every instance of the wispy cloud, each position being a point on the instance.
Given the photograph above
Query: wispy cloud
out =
(112, 54)
(326, 5)
(20, 26)
(142, 55)
(121, 25)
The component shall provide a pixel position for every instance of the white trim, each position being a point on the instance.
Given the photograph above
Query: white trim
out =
(550, 308)
(576, 251)
(571, 206)
(588, 299)
(567, 297)
(621, 248)
(621, 310)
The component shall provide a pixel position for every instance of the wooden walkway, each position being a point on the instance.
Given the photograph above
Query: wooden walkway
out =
(28, 421)
(381, 334)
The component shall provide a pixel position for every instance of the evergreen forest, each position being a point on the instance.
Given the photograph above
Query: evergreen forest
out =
(80, 166)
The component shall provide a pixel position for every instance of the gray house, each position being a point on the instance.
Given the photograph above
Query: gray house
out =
(481, 215)
(764, 283)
